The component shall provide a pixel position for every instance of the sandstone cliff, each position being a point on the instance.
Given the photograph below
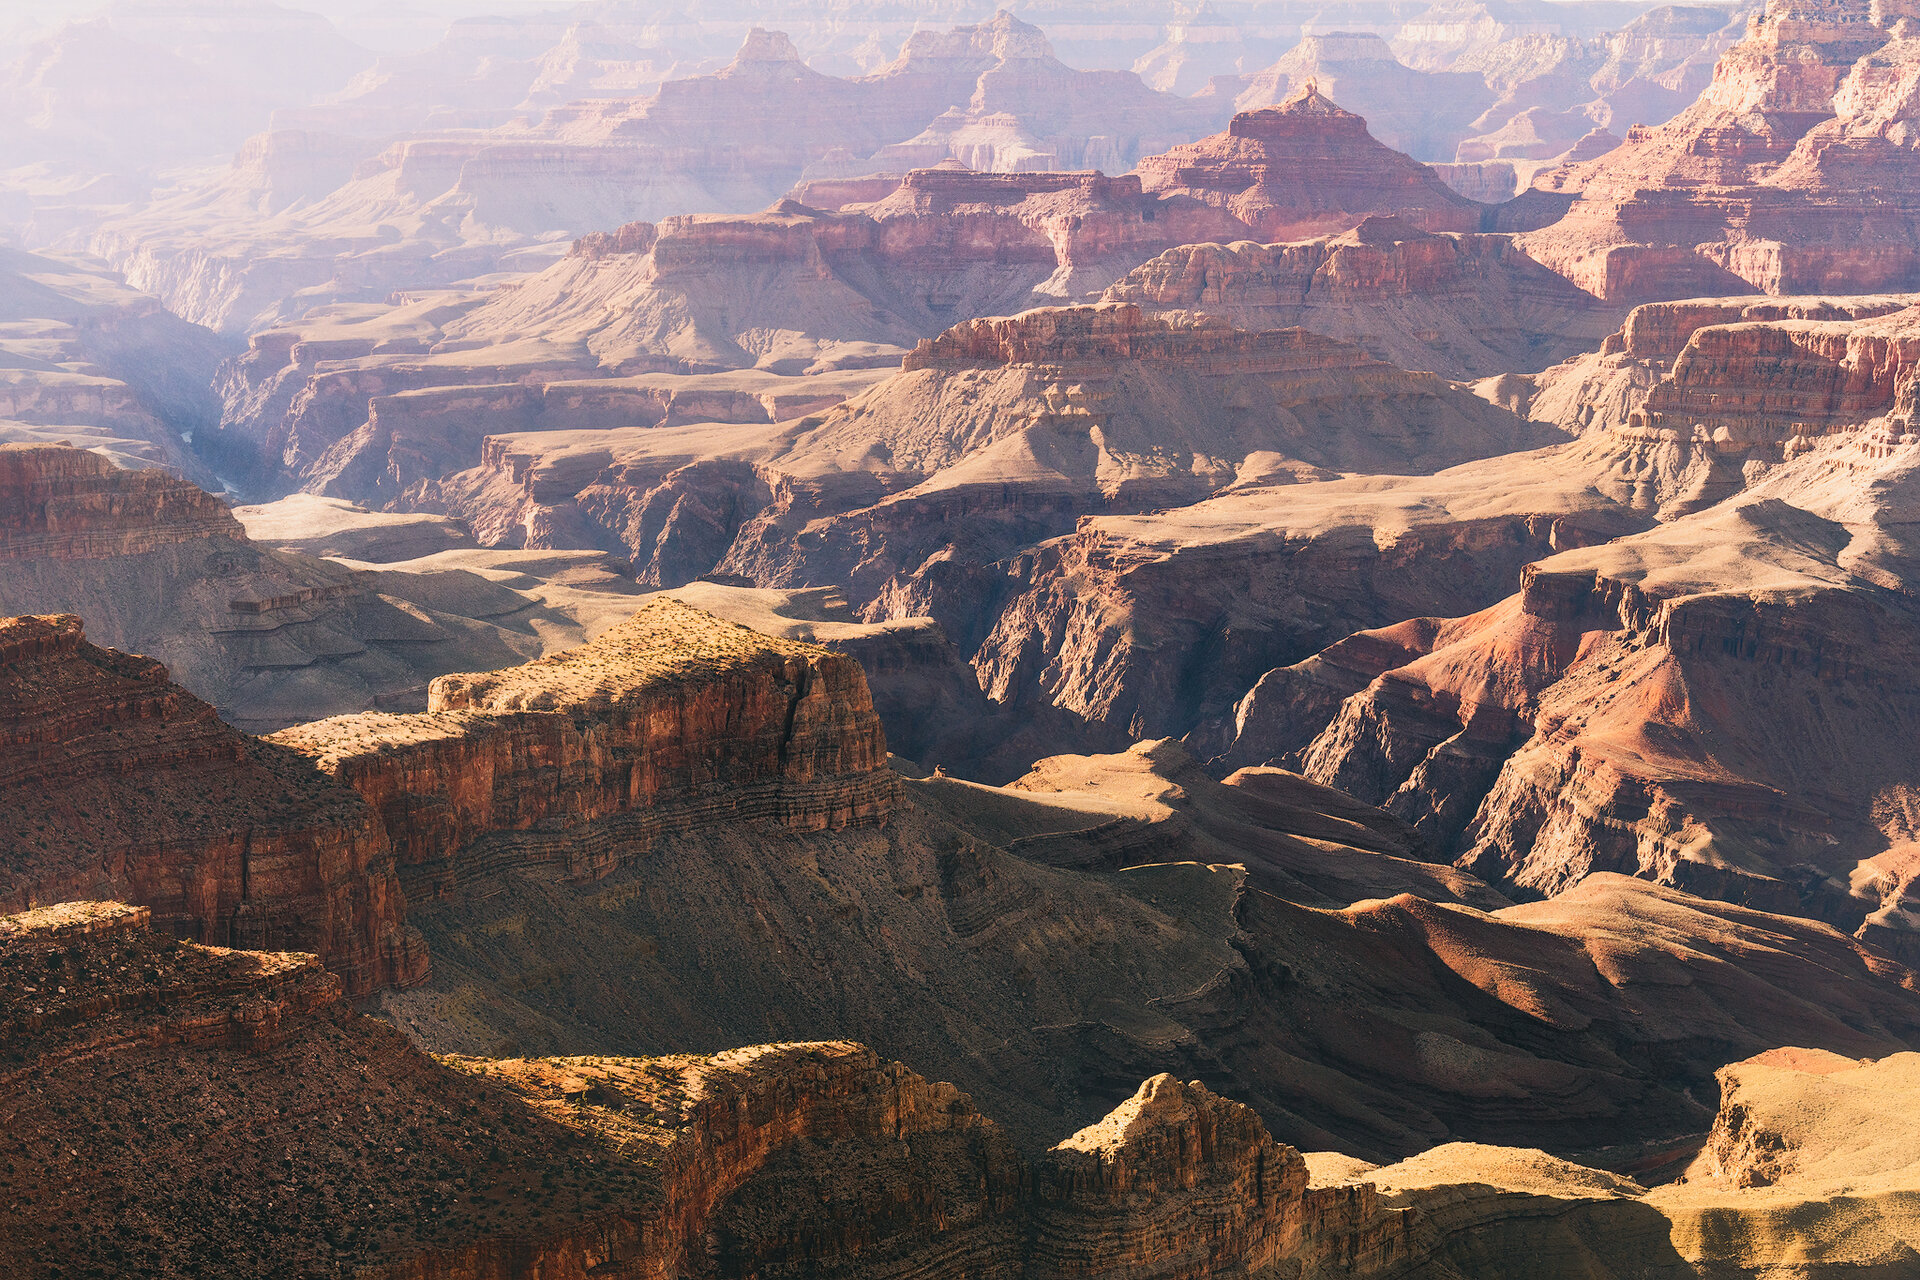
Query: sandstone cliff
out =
(120, 783)
(671, 720)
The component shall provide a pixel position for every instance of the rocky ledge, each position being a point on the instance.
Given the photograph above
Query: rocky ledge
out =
(123, 784)
(673, 719)
(775, 1160)
(69, 504)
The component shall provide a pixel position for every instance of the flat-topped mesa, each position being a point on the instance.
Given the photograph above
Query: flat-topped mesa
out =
(1464, 305)
(1111, 332)
(671, 721)
(64, 503)
(960, 184)
(1306, 168)
(119, 783)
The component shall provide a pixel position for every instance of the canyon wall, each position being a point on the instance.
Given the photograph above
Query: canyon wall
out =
(670, 721)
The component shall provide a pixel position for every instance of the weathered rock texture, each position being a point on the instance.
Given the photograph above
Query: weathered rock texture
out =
(1306, 168)
(1714, 704)
(1697, 399)
(227, 1105)
(1027, 424)
(1465, 306)
(118, 783)
(157, 565)
(122, 784)
(670, 721)
(1790, 174)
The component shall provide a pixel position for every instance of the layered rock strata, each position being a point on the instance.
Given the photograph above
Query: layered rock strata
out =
(1306, 168)
(120, 783)
(1697, 399)
(1027, 424)
(1787, 175)
(1711, 704)
(1465, 306)
(669, 721)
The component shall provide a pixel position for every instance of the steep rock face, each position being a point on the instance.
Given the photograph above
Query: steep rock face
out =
(158, 566)
(89, 359)
(1466, 306)
(671, 720)
(66, 504)
(1690, 704)
(1306, 168)
(120, 783)
(1028, 423)
(1786, 176)
(1701, 397)
(1153, 622)
(1180, 1182)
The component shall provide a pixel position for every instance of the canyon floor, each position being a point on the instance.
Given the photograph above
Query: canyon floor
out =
(892, 641)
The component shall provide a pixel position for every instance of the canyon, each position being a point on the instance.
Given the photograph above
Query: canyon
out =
(780, 640)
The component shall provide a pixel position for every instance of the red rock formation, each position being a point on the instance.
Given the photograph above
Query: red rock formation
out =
(1181, 1183)
(1306, 168)
(671, 721)
(1788, 174)
(1697, 399)
(118, 782)
(73, 505)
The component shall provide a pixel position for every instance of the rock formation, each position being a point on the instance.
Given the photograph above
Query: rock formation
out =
(121, 784)
(1422, 113)
(1711, 703)
(1465, 306)
(584, 759)
(1027, 424)
(1696, 399)
(1785, 176)
(160, 566)
(671, 721)
(1306, 168)
(464, 202)
(90, 360)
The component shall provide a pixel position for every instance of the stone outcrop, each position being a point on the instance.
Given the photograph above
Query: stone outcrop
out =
(1306, 168)
(1653, 706)
(1026, 424)
(1180, 1182)
(120, 783)
(672, 720)
(1465, 306)
(143, 1076)
(158, 566)
(1699, 398)
(68, 504)
(1788, 175)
